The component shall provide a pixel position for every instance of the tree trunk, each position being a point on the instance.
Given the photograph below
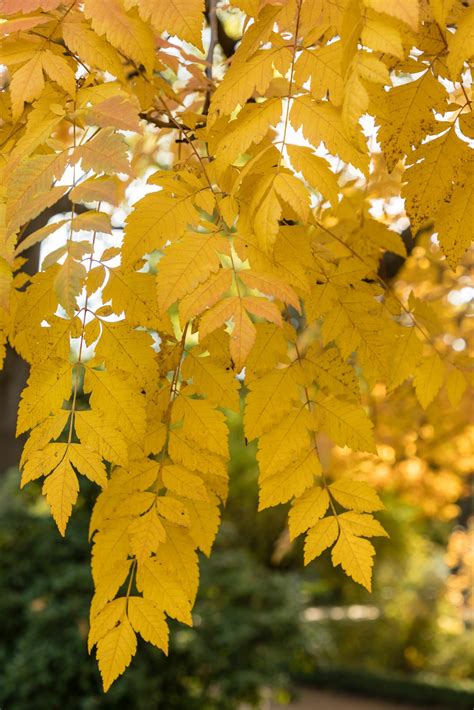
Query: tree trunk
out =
(13, 378)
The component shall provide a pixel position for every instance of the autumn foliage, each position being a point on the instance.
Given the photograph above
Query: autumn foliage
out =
(250, 271)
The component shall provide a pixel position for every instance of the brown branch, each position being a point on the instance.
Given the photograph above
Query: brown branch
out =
(64, 204)
(227, 43)
(212, 19)
(163, 124)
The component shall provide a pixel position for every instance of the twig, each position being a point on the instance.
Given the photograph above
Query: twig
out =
(212, 17)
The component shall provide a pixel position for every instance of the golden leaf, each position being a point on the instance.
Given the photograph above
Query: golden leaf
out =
(115, 650)
(149, 621)
(61, 489)
(306, 510)
(321, 536)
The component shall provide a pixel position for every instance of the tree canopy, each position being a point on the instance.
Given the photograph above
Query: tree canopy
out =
(268, 205)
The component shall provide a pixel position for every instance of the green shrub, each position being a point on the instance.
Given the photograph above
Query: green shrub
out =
(247, 627)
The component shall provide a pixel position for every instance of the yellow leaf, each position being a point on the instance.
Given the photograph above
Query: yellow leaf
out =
(205, 295)
(270, 348)
(48, 385)
(146, 534)
(184, 452)
(178, 553)
(429, 377)
(94, 279)
(106, 620)
(285, 442)
(356, 494)
(89, 46)
(405, 114)
(187, 263)
(271, 286)
(115, 651)
(6, 282)
(134, 293)
(127, 489)
(92, 221)
(406, 357)
(40, 462)
(456, 385)
(250, 126)
(320, 121)
(125, 31)
(354, 554)
(58, 69)
(202, 424)
(356, 103)
(370, 68)
(68, 283)
(29, 188)
(110, 560)
(229, 209)
(159, 584)
(440, 10)
(266, 209)
(306, 510)
(205, 517)
(243, 332)
(27, 84)
(21, 24)
(153, 220)
(292, 191)
(119, 401)
(316, 171)
(124, 348)
(42, 435)
(382, 37)
(429, 179)
(39, 235)
(108, 583)
(42, 120)
(262, 308)
(454, 222)
(183, 18)
(100, 437)
(88, 462)
(346, 423)
(323, 66)
(320, 537)
(405, 10)
(105, 152)
(269, 400)
(220, 385)
(242, 80)
(290, 482)
(61, 489)
(183, 482)
(332, 372)
(116, 111)
(97, 189)
(361, 524)
(149, 621)
(173, 510)
(461, 43)
(91, 331)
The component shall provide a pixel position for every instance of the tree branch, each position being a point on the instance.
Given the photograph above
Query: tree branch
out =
(212, 19)
(163, 124)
